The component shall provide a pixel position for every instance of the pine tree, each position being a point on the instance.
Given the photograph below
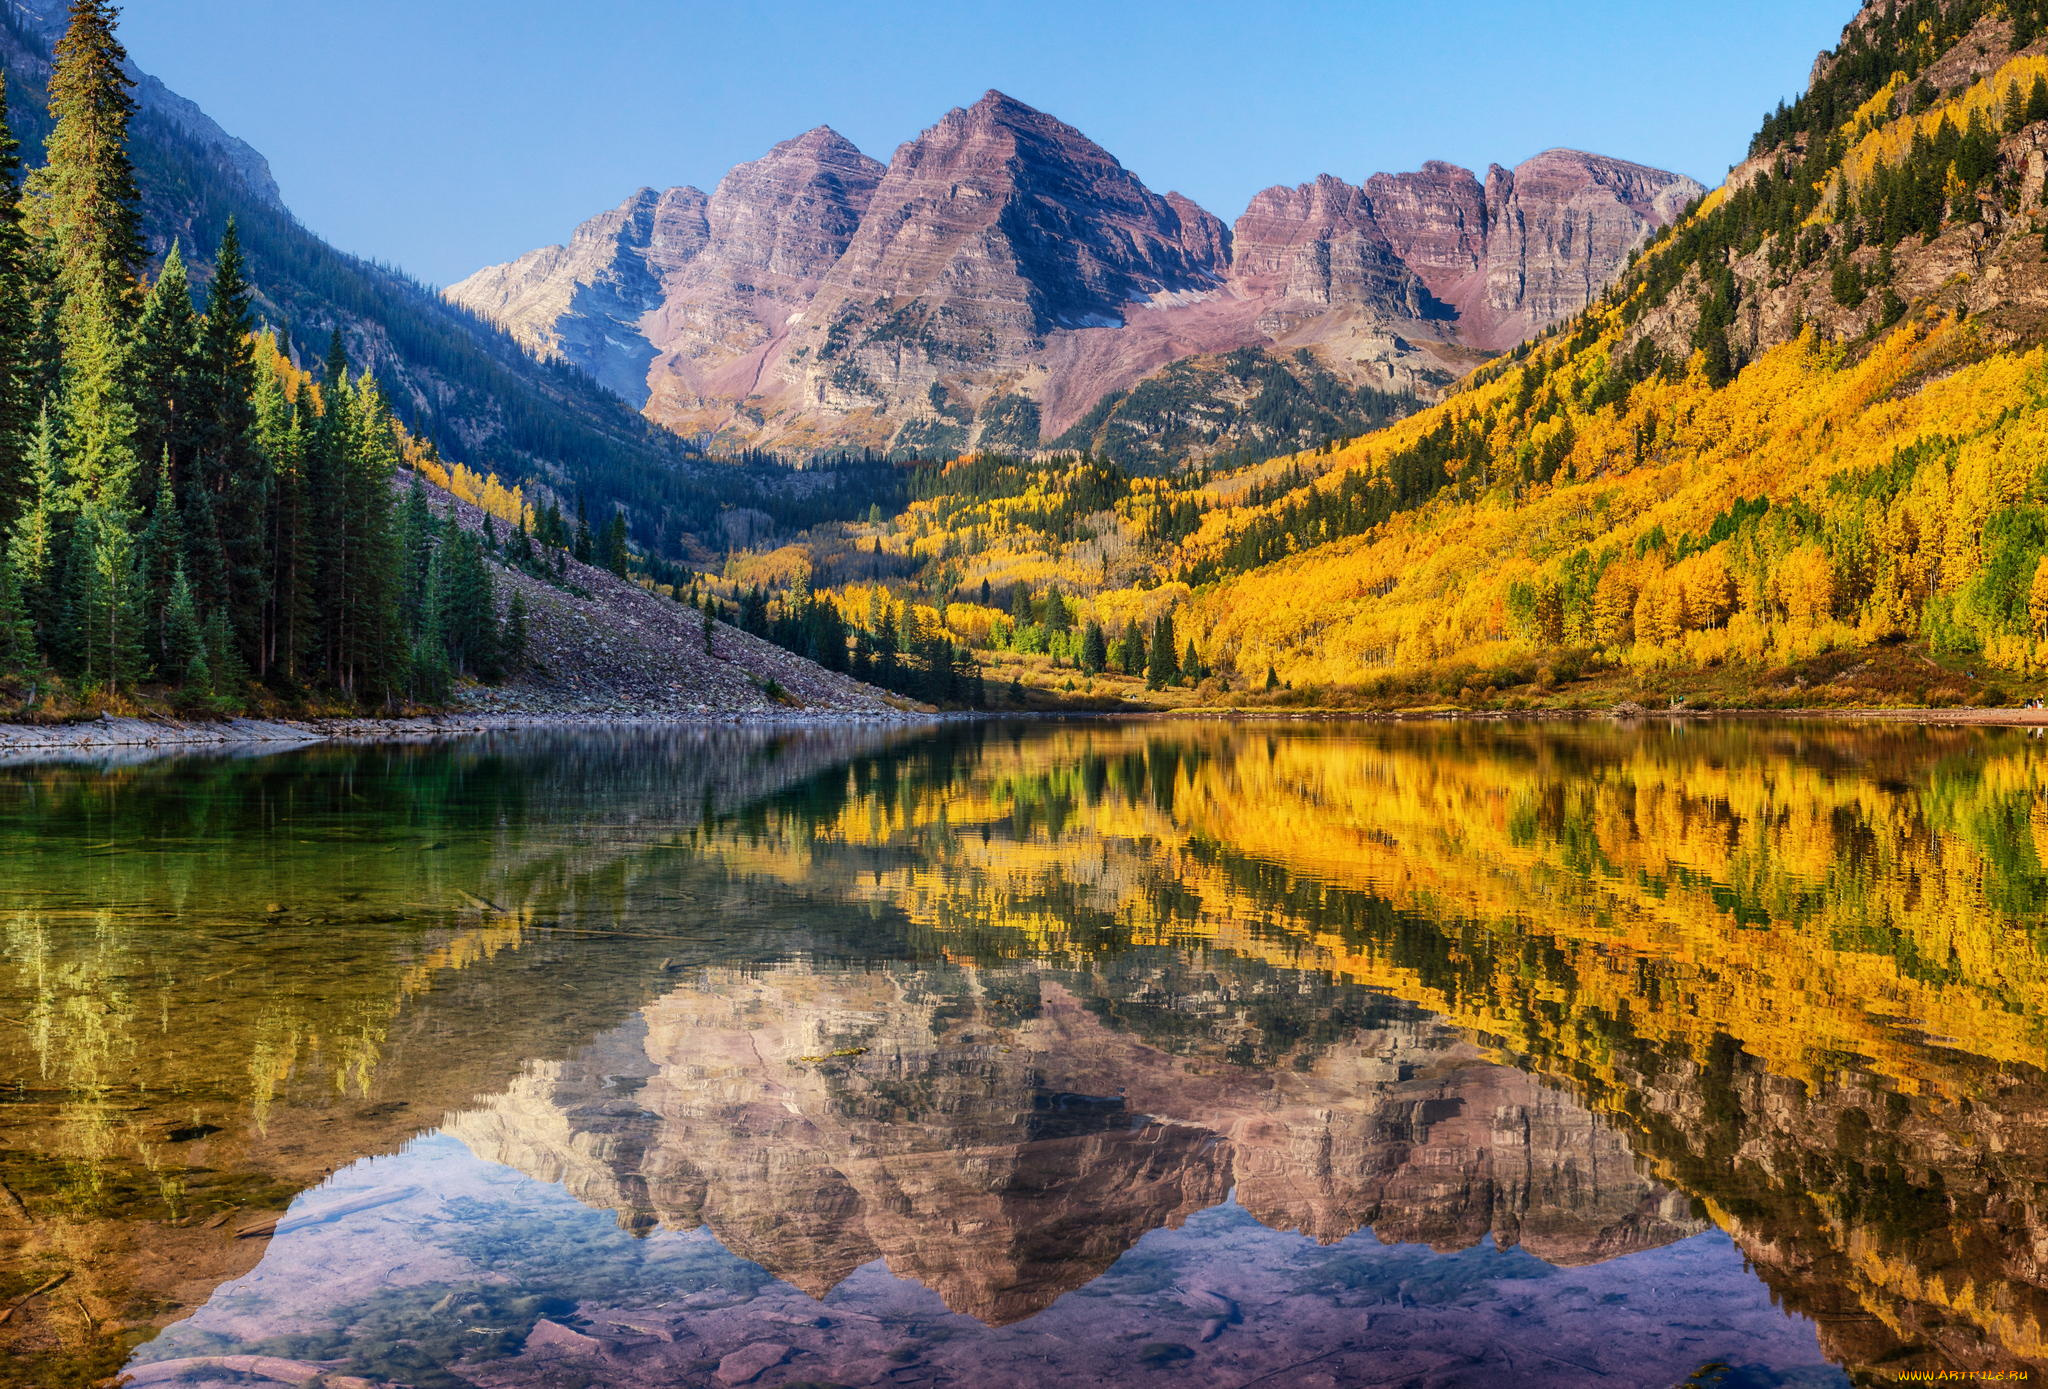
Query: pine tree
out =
(586, 551)
(1191, 662)
(103, 610)
(88, 204)
(160, 554)
(612, 553)
(89, 217)
(1131, 649)
(1094, 649)
(289, 610)
(165, 364)
(18, 654)
(37, 544)
(1162, 666)
(18, 367)
(517, 636)
(468, 604)
(373, 640)
(228, 465)
(430, 677)
(183, 661)
(225, 670)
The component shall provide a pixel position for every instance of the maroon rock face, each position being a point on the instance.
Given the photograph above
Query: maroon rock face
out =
(774, 228)
(1436, 221)
(1562, 225)
(819, 300)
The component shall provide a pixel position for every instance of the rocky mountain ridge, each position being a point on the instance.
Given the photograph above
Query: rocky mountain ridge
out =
(1003, 274)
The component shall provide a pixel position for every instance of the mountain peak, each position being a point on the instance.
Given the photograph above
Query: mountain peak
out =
(819, 140)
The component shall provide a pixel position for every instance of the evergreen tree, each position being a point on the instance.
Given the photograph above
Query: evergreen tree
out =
(612, 552)
(89, 216)
(224, 664)
(229, 469)
(165, 364)
(429, 675)
(37, 544)
(586, 551)
(161, 556)
(329, 445)
(372, 639)
(1162, 665)
(103, 612)
(18, 654)
(517, 637)
(1191, 662)
(468, 606)
(418, 534)
(183, 661)
(289, 610)
(1094, 649)
(1130, 657)
(88, 204)
(18, 367)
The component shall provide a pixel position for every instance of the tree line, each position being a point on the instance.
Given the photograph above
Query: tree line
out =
(181, 504)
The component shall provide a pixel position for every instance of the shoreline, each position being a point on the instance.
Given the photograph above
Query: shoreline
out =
(108, 732)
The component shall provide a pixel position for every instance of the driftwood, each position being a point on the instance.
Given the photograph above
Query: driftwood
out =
(285, 1224)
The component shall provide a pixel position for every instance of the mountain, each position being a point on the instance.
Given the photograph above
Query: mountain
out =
(454, 377)
(1791, 456)
(1796, 444)
(1004, 280)
(1004, 1163)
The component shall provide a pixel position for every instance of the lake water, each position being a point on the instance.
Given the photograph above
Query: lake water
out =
(1031, 1055)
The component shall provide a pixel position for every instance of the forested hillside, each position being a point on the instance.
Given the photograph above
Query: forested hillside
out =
(191, 522)
(1806, 426)
(459, 382)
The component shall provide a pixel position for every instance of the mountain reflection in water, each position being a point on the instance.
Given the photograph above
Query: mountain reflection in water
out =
(1030, 1054)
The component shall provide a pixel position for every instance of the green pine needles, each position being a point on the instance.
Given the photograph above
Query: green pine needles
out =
(182, 509)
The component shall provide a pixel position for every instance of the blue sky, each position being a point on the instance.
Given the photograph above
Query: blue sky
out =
(442, 135)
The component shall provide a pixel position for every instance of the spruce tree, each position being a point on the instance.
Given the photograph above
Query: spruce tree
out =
(1094, 649)
(372, 641)
(18, 654)
(467, 602)
(429, 676)
(18, 367)
(161, 556)
(516, 633)
(418, 533)
(37, 544)
(183, 661)
(586, 551)
(225, 670)
(103, 614)
(288, 612)
(1131, 649)
(1162, 666)
(329, 447)
(165, 363)
(87, 203)
(229, 467)
(89, 218)
(612, 553)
